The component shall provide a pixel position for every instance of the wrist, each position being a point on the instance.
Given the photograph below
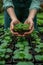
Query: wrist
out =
(30, 18)
(13, 18)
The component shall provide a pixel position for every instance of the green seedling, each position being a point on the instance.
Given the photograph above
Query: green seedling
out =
(21, 27)
(39, 57)
(40, 45)
(8, 50)
(38, 50)
(7, 56)
(19, 54)
(2, 62)
(24, 63)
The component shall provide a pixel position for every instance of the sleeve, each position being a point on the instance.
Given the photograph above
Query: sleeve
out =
(35, 4)
(7, 3)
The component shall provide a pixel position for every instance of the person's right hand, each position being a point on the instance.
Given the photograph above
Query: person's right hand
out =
(13, 22)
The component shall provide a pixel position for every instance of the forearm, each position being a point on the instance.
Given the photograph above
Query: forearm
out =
(35, 5)
(11, 13)
(32, 13)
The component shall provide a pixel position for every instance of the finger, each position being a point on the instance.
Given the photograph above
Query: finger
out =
(16, 22)
(20, 35)
(11, 26)
(25, 22)
(24, 35)
(27, 33)
(31, 31)
(14, 33)
(31, 25)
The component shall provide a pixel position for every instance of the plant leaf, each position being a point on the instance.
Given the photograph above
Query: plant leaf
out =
(24, 63)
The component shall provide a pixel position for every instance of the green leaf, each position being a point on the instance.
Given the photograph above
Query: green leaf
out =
(2, 55)
(37, 50)
(39, 57)
(26, 26)
(27, 48)
(25, 43)
(22, 54)
(2, 62)
(4, 45)
(20, 27)
(16, 51)
(2, 50)
(24, 63)
(28, 56)
(9, 50)
(19, 55)
(7, 56)
(38, 40)
(19, 45)
(15, 56)
(40, 45)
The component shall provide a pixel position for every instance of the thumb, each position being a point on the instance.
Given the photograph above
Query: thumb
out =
(11, 26)
(25, 21)
(31, 24)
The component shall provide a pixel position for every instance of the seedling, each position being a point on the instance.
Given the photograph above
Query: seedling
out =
(40, 45)
(2, 62)
(22, 44)
(21, 28)
(21, 39)
(37, 50)
(7, 56)
(8, 50)
(20, 54)
(34, 35)
(25, 63)
(39, 57)
(41, 29)
(5, 41)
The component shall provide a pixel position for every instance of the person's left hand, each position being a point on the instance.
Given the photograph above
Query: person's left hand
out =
(31, 28)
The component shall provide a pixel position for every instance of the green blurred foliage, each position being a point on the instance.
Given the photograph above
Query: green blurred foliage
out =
(1, 6)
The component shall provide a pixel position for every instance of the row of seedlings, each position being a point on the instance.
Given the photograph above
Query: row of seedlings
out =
(37, 47)
(5, 51)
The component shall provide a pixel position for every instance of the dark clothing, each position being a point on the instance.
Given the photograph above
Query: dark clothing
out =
(21, 8)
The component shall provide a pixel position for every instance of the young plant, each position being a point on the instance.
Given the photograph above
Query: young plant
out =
(4, 45)
(8, 50)
(21, 39)
(34, 35)
(40, 29)
(7, 56)
(2, 62)
(6, 39)
(21, 44)
(22, 54)
(2, 52)
(37, 50)
(40, 45)
(24, 63)
(21, 27)
(39, 57)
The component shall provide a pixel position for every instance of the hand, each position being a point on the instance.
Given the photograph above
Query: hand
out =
(31, 28)
(13, 22)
